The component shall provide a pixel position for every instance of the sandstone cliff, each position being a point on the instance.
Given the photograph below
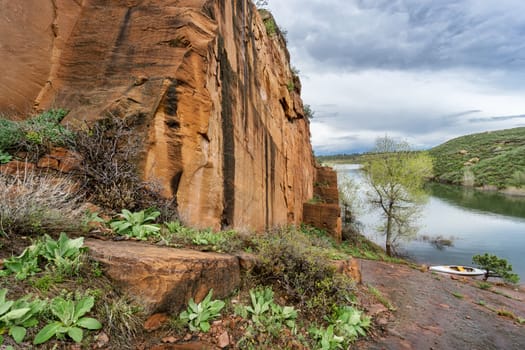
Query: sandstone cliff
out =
(210, 89)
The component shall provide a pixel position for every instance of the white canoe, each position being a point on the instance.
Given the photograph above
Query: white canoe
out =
(458, 270)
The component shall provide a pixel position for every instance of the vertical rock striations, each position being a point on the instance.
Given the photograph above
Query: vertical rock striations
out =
(205, 84)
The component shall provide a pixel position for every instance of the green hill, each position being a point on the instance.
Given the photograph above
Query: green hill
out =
(494, 158)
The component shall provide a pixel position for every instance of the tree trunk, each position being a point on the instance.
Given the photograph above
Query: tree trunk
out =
(388, 244)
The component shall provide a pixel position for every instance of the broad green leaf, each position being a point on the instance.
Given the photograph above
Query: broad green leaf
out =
(184, 315)
(193, 306)
(76, 334)
(83, 306)
(89, 323)
(47, 333)
(18, 333)
(5, 307)
(3, 293)
(64, 310)
(204, 326)
(15, 314)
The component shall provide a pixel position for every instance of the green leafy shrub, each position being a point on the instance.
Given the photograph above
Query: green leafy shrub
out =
(264, 311)
(34, 203)
(70, 320)
(63, 257)
(346, 324)
(299, 264)
(64, 254)
(268, 319)
(138, 225)
(222, 241)
(17, 316)
(5, 157)
(10, 134)
(24, 265)
(326, 338)
(495, 265)
(35, 135)
(199, 315)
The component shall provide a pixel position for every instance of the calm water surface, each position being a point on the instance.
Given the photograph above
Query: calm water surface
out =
(476, 222)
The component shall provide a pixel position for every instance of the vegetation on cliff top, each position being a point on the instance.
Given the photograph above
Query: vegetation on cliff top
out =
(494, 158)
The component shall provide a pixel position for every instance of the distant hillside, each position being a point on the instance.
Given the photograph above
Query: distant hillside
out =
(494, 158)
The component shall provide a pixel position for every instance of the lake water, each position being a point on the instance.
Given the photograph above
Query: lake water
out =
(477, 222)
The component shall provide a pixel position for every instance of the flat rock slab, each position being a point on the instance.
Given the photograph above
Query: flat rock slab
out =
(163, 279)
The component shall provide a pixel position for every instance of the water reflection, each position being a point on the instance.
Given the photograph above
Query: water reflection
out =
(488, 202)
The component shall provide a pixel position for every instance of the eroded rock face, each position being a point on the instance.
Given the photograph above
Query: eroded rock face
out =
(164, 279)
(210, 91)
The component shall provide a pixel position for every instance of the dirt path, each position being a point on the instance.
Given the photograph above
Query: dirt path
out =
(437, 312)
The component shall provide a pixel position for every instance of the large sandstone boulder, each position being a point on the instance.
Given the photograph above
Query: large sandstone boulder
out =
(164, 279)
(210, 91)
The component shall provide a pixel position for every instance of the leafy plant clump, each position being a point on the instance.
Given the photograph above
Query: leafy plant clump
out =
(198, 316)
(138, 225)
(5, 157)
(35, 135)
(24, 265)
(345, 325)
(17, 316)
(64, 254)
(70, 320)
(267, 317)
(175, 233)
(495, 265)
(63, 257)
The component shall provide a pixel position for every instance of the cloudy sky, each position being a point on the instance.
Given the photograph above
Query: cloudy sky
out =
(423, 71)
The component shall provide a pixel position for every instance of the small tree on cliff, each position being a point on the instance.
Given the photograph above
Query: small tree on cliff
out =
(396, 176)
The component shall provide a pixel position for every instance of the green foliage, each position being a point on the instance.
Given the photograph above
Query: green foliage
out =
(518, 178)
(199, 315)
(309, 113)
(458, 295)
(5, 157)
(17, 316)
(264, 311)
(492, 158)
(10, 134)
(484, 285)
(493, 264)
(396, 177)
(326, 338)
(138, 225)
(346, 324)
(290, 86)
(35, 135)
(271, 26)
(63, 254)
(381, 298)
(300, 264)
(24, 265)
(268, 319)
(70, 320)
(223, 241)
